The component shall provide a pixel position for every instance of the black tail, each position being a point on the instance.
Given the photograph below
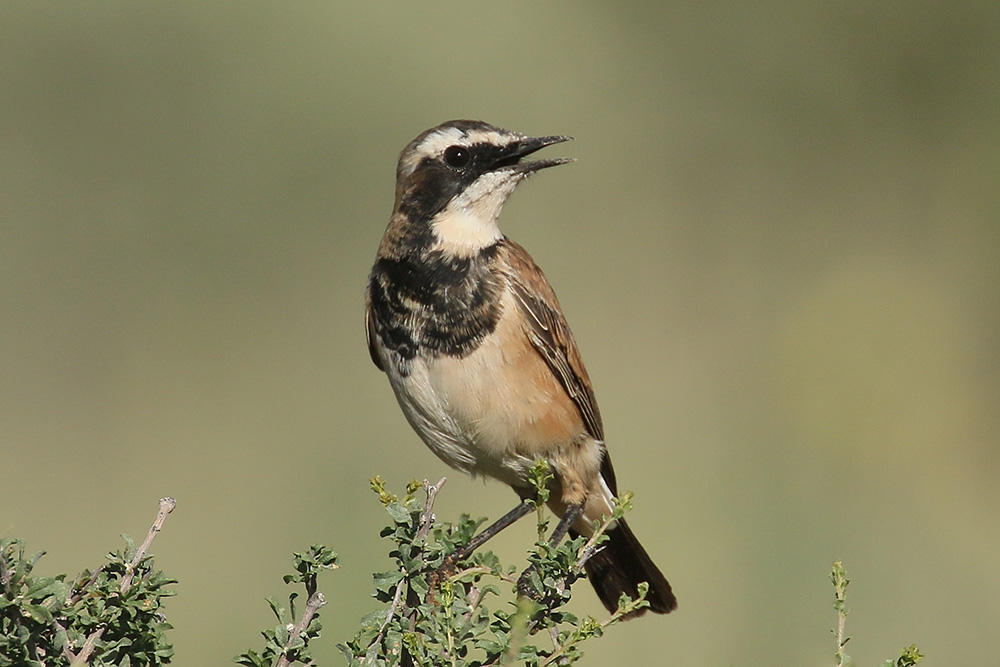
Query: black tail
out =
(620, 566)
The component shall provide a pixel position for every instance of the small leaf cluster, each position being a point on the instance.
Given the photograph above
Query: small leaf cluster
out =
(288, 642)
(48, 621)
(910, 657)
(443, 607)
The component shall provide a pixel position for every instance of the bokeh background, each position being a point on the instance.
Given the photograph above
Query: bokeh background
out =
(779, 250)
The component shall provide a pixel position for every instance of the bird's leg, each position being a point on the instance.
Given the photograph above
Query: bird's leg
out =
(522, 509)
(572, 513)
(447, 568)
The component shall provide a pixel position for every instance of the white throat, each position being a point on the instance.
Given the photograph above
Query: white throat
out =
(462, 233)
(469, 222)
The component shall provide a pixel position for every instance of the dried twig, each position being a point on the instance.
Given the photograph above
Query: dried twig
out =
(427, 516)
(5, 573)
(426, 521)
(88, 647)
(80, 659)
(316, 600)
(166, 507)
(840, 581)
(82, 583)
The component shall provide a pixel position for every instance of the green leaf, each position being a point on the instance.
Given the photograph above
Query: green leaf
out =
(386, 580)
(399, 514)
(43, 587)
(37, 613)
(281, 634)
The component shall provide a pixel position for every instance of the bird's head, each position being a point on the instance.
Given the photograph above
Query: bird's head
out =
(455, 178)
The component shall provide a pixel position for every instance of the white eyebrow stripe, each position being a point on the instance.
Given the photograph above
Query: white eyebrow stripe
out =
(436, 142)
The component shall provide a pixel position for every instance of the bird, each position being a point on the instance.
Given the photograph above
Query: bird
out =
(478, 352)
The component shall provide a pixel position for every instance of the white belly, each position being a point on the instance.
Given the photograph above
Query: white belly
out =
(467, 414)
(492, 412)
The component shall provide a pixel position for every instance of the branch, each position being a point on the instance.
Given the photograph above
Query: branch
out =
(80, 660)
(82, 583)
(427, 516)
(591, 547)
(166, 507)
(316, 600)
(621, 612)
(5, 574)
(840, 582)
(426, 521)
(88, 647)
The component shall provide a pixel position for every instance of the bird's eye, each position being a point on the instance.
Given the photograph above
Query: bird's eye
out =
(457, 156)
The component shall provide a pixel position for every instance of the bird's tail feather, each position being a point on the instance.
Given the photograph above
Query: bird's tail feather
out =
(620, 566)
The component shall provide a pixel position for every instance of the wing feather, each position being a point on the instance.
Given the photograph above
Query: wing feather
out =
(550, 334)
(371, 336)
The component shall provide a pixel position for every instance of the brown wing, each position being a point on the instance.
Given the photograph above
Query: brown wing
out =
(551, 337)
(370, 335)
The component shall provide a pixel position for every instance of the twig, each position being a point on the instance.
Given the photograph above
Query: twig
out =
(393, 608)
(5, 574)
(166, 507)
(88, 647)
(591, 547)
(316, 600)
(840, 582)
(427, 516)
(62, 637)
(841, 640)
(82, 584)
(481, 569)
(554, 636)
(475, 596)
(426, 521)
(614, 618)
(94, 636)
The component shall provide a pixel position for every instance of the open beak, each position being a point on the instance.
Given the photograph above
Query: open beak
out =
(520, 149)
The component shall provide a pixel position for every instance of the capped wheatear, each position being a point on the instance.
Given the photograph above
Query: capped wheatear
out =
(476, 348)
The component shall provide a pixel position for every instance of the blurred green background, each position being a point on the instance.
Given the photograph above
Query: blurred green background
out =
(779, 251)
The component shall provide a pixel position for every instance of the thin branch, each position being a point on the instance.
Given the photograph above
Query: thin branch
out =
(81, 659)
(841, 640)
(166, 507)
(474, 597)
(393, 608)
(5, 574)
(426, 521)
(427, 516)
(554, 636)
(81, 585)
(88, 647)
(614, 618)
(316, 600)
(840, 581)
(72, 600)
(481, 569)
(591, 547)
(63, 638)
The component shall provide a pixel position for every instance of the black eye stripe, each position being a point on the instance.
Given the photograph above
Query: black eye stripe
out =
(480, 156)
(435, 180)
